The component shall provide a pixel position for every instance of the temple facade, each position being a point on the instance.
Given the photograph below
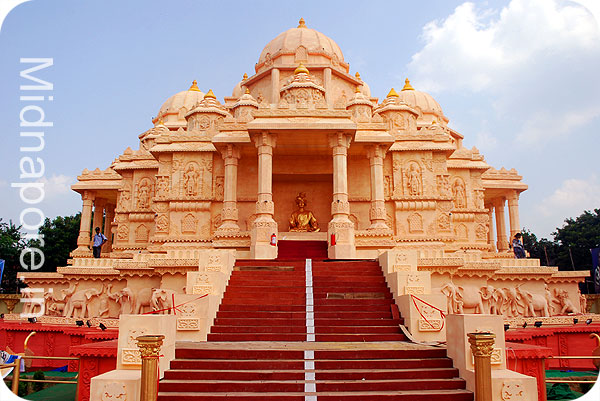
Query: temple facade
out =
(374, 173)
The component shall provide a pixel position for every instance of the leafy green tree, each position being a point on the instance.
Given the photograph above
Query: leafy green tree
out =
(60, 238)
(542, 249)
(575, 239)
(11, 245)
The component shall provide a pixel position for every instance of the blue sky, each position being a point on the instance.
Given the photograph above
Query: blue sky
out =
(517, 78)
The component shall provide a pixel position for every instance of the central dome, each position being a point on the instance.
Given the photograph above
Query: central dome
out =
(290, 40)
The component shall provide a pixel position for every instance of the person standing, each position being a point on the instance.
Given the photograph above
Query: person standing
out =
(517, 246)
(99, 240)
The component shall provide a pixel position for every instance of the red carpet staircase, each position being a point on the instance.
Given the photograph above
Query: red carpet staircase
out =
(257, 348)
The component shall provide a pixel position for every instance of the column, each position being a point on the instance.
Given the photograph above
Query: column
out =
(98, 215)
(327, 86)
(340, 224)
(275, 85)
(83, 241)
(229, 214)
(264, 226)
(513, 214)
(501, 225)
(110, 216)
(491, 240)
(377, 213)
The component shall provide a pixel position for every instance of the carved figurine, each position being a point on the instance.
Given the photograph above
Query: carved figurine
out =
(190, 180)
(565, 302)
(78, 303)
(162, 300)
(303, 220)
(533, 302)
(460, 197)
(143, 299)
(414, 181)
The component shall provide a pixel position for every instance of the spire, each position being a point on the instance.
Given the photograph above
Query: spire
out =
(301, 23)
(247, 91)
(194, 86)
(245, 77)
(392, 93)
(407, 86)
(301, 69)
(210, 94)
(357, 90)
(357, 75)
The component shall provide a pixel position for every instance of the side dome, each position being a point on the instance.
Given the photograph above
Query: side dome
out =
(430, 110)
(173, 110)
(292, 39)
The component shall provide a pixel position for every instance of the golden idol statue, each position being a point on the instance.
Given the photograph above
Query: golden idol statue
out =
(303, 220)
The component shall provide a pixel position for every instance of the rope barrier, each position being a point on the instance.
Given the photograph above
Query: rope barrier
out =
(413, 297)
(175, 308)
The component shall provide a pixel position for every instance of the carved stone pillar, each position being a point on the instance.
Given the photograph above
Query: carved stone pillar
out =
(501, 225)
(264, 226)
(275, 85)
(150, 352)
(83, 240)
(491, 240)
(513, 213)
(482, 346)
(377, 213)
(110, 216)
(98, 214)
(229, 214)
(340, 224)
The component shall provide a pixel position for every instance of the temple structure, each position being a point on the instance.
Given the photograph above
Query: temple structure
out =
(376, 174)
(301, 151)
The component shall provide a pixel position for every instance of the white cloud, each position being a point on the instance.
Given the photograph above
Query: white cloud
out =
(535, 61)
(57, 185)
(544, 125)
(472, 48)
(573, 197)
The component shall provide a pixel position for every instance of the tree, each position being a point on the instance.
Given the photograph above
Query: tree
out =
(576, 238)
(60, 238)
(11, 245)
(543, 249)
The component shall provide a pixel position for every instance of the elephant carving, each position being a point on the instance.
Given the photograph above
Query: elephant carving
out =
(78, 303)
(500, 299)
(488, 297)
(143, 299)
(454, 304)
(55, 306)
(459, 297)
(533, 303)
(512, 302)
(125, 298)
(162, 300)
(566, 305)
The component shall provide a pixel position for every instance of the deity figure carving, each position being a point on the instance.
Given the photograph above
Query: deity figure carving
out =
(460, 195)
(162, 187)
(190, 180)
(413, 181)
(303, 220)
(144, 193)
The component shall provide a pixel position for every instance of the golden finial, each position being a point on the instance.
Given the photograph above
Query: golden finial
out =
(357, 75)
(407, 86)
(247, 91)
(194, 86)
(160, 122)
(393, 93)
(245, 76)
(301, 23)
(301, 69)
(357, 90)
(210, 94)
